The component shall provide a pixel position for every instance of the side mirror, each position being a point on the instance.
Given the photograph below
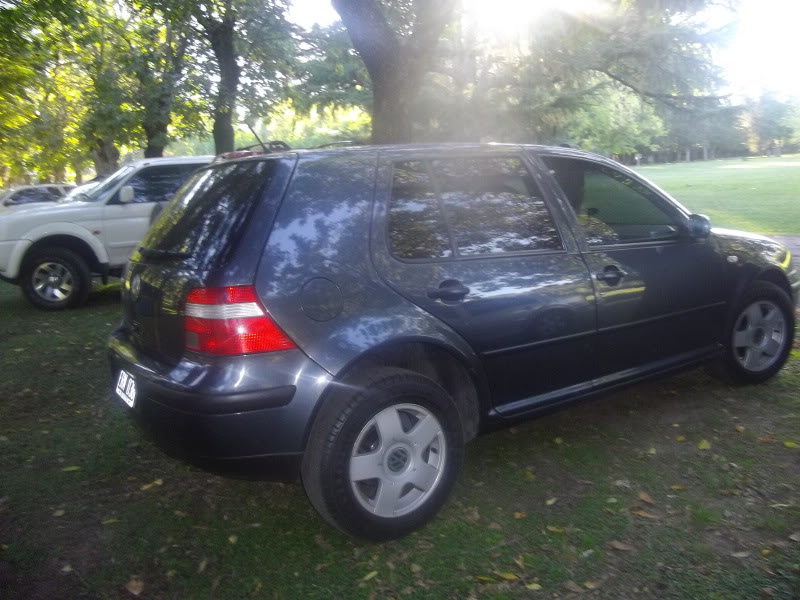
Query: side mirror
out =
(699, 226)
(126, 194)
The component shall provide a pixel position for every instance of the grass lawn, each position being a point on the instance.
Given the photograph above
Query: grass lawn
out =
(756, 194)
(680, 489)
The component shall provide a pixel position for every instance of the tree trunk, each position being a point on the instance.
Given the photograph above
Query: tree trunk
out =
(106, 156)
(396, 64)
(221, 35)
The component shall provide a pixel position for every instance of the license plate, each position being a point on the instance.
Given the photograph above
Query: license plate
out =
(126, 388)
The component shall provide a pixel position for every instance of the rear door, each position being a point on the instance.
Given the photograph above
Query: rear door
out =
(659, 291)
(471, 240)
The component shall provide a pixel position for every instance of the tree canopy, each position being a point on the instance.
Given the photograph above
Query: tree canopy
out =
(83, 82)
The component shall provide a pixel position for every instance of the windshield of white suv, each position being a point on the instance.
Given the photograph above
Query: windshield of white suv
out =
(96, 192)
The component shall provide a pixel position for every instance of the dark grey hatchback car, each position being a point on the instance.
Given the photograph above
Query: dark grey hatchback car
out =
(356, 315)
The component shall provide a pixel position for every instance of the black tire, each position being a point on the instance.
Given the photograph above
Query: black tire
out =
(759, 336)
(55, 278)
(402, 428)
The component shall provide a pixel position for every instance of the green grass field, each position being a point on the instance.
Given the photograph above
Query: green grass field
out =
(756, 194)
(683, 489)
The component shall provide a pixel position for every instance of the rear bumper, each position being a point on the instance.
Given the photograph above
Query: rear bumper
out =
(236, 409)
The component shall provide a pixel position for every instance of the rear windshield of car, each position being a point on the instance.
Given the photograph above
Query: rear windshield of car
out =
(208, 214)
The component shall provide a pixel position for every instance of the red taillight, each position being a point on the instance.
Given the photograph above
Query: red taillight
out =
(231, 320)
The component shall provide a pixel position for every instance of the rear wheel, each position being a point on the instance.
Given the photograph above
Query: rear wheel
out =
(383, 454)
(56, 278)
(759, 337)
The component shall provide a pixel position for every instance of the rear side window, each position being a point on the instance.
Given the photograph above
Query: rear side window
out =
(475, 206)
(208, 214)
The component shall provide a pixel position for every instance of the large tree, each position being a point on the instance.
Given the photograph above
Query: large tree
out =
(397, 43)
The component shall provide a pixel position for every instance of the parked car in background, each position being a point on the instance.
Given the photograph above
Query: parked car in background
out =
(24, 194)
(356, 315)
(53, 251)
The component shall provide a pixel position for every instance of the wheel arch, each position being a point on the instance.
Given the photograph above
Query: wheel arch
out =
(453, 373)
(77, 245)
(776, 277)
(770, 275)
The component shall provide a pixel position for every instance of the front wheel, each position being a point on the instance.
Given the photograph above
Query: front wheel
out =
(759, 336)
(56, 278)
(383, 454)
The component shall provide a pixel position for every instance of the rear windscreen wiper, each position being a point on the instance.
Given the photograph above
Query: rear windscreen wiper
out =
(158, 253)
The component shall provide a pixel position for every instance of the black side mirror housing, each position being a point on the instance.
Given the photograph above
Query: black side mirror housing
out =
(699, 226)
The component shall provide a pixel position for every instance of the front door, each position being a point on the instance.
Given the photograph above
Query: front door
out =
(659, 292)
(124, 225)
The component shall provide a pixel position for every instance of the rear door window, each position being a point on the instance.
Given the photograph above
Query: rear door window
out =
(209, 213)
(462, 207)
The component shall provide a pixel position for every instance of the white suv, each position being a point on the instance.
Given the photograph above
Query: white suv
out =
(52, 251)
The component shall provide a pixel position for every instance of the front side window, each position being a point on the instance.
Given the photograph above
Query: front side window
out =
(467, 207)
(159, 183)
(611, 206)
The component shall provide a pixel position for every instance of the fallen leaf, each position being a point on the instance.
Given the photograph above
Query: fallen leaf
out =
(68, 469)
(147, 486)
(765, 440)
(644, 514)
(529, 476)
(66, 569)
(135, 586)
(533, 586)
(704, 445)
(680, 438)
(590, 585)
(790, 444)
(740, 554)
(520, 561)
(484, 579)
(233, 539)
(645, 497)
(612, 500)
(651, 451)
(415, 568)
(555, 529)
(202, 566)
(506, 575)
(179, 513)
(558, 440)
(551, 501)
(171, 573)
(573, 587)
(765, 552)
(472, 515)
(109, 521)
(740, 428)
(617, 545)
(370, 575)
(678, 487)
(520, 515)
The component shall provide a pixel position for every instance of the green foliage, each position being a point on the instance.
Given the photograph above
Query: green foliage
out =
(614, 121)
(333, 74)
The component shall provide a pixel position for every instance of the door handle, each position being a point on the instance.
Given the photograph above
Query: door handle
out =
(450, 290)
(611, 275)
